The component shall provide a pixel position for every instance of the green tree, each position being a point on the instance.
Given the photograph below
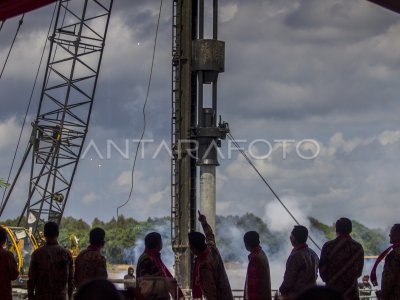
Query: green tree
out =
(3, 183)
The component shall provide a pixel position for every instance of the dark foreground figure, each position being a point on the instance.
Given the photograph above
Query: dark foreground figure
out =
(209, 277)
(258, 279)
(301, 266)
(98, 289)
(320, 293)
(342, 261)
(50, 271)
(390, 287)
(90, 264)
(154, 279)
(8, 268)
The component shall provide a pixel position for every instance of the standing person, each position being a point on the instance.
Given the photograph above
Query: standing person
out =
(8, 267)
(50, 271)
(90, 263)
(342, 261)
(390, 286)
(365, 287)
(301, 266)
(150, 266)
(209, 277)
(129, 276)
(258, 279)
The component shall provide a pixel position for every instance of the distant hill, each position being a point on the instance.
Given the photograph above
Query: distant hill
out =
(124, 236)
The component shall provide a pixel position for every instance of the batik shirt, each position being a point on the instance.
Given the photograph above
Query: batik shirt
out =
(258, 279)
(214, 282)
(9, 272)
(50, 273)
(89, 264)
(301, 271)
(341, 263)
(391, 276)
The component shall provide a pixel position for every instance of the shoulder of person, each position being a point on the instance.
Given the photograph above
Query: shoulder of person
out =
(145, 259)
(312, 252)
(357, 246)
(81, 254)
(329, 244)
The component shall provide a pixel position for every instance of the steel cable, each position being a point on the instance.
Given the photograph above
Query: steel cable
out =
(143, 111)
(230, 136)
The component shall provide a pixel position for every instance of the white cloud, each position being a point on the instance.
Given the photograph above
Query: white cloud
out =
(9, 132)
(227, 12)
(90, 198)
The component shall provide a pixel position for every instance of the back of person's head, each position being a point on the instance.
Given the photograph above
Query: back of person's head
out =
(197, 241)
(251, 239)
(98, 289)
(97, 236)
(300, 233)
(152, 240)
(3, 235)
(396, 228)
(344, 226)
(320, 293)
(50, 230)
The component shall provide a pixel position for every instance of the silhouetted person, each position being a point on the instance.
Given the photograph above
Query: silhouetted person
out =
(301, 266)
(90, 263)
(390, 286)
(8, 268)
(129, 276)
(320, 293)
(50, 271)
(98, 289)
(342, 261)
(150, 265)
(365, 287)
(258, 279)
(209, 277)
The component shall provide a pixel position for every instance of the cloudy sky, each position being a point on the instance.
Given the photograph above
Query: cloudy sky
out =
(295, 70)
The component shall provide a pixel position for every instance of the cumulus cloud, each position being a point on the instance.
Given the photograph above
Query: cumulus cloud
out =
(90, 198)
(9, 132)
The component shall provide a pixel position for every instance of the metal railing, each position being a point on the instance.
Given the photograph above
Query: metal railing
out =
(237, 294)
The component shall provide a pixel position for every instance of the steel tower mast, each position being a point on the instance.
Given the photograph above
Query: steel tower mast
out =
(183, 165)
(195, 134)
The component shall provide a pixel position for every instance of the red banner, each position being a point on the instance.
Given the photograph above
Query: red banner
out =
(393, 5)
(12, 8)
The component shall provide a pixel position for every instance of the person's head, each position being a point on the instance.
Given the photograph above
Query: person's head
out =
(3, 237)
(395, 234)
(130, 271)
(251, 240)
(98, 289)
(365, 278)
(344, 226)
(197, 242)
(320, 293)
(299, 235)
(97, 237)
(153, 241)
(50, 230)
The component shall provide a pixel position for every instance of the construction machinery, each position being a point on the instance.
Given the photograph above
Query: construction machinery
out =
(21, 242)
(76, 45)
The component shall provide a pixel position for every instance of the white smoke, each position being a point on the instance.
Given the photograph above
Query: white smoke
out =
(281, 223)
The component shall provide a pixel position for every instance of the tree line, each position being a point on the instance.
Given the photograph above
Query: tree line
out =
(124, 236)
